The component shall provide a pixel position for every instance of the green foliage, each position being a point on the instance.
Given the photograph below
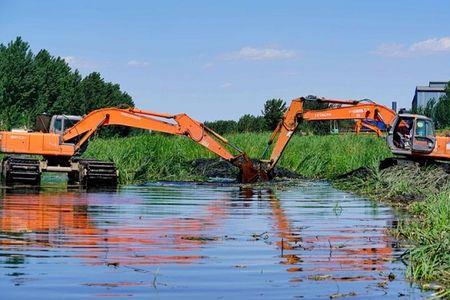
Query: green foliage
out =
(149, 157)
(33, 84)
(250, 123)
(223, 126)
(246, 123)
(442, 113)
(273, 112)
(429, 229)
(438, 110)
(160, 157)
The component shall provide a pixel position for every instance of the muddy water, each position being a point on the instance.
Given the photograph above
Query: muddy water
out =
(198, 241)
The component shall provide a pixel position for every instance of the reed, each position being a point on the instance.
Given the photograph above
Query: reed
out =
(160, 157)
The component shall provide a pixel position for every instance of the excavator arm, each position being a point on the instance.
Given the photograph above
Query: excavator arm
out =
(360, 111)
(179, 124)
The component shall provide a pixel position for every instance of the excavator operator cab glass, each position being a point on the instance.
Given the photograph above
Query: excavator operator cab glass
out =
(424, 128)
(424, 139)
(58, 125)
(402, 132)
(69, 122)
(412, 134)
(61, 123)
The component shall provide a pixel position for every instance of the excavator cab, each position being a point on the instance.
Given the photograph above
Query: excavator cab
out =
(61, 123)
(55, 124)
(412, 134)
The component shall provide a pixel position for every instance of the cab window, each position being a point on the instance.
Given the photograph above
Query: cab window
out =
(68, 123)
(424, 128)
(58, 124)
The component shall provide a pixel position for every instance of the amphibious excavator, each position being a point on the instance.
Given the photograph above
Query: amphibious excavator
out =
(60, 140)
(410, 136)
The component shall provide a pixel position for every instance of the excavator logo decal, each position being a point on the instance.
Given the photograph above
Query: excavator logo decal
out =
(357, 111)
(322, 115)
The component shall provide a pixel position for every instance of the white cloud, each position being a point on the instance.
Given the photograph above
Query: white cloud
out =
(79, 63)
(138, 63)
(426, 47)
(432, 45)
(260, 54)
(391, 50)
(226, 85)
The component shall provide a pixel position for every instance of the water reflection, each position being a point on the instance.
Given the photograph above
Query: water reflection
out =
(204, 236)
(58, 220)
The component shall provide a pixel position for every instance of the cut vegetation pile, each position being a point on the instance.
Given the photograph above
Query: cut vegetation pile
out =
(400, 183)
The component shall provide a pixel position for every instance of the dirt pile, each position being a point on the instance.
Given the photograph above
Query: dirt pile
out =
(217, 168)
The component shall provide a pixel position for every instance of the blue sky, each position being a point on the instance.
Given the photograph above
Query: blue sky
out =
(220, 60)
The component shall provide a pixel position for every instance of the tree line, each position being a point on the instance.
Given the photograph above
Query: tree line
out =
(271, 115)
(33, 84)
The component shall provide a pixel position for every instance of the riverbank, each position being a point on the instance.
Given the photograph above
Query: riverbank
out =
(425, 193)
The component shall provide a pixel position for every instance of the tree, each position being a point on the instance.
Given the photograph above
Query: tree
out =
(442, 110)
(250, 123)
(273, 112)
(17, 91)
(34, 84)
(223, 126)
(439, 110)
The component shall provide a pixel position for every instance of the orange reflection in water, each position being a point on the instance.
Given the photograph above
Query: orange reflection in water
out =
(347, 249)
(62, 221)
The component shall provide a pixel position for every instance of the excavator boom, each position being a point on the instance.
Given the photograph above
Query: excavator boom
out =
(360, 111)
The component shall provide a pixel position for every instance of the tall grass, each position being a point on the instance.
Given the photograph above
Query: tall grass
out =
(429, 229)
(398, 183)
(426, 194)
(160, 157)
(149, 157)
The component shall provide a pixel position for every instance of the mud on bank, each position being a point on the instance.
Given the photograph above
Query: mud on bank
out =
(217, 168)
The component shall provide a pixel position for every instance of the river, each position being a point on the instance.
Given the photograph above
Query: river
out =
(199, 241)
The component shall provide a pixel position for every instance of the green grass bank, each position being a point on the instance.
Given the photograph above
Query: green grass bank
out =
(161, 157)
(424, 192)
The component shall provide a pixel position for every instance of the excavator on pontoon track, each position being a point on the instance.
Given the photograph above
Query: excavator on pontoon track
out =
(409, 136)
(61, 139)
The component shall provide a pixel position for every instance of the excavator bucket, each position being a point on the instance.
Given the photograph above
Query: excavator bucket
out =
(250, 172)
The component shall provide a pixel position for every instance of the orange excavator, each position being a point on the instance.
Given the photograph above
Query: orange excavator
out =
(410, 135)
(62, 139)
